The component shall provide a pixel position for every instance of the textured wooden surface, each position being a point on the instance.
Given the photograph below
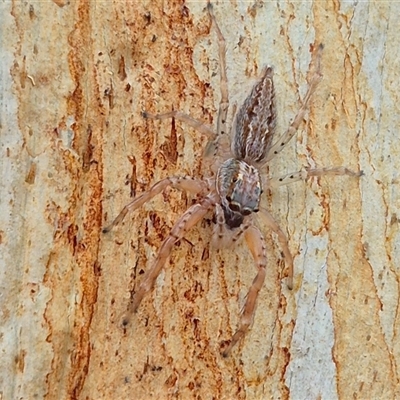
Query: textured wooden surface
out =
(75, 76)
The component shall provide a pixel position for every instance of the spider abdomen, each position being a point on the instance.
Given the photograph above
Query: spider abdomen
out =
(255, 121)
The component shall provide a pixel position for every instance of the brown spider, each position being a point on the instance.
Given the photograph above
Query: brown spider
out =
(234, 192)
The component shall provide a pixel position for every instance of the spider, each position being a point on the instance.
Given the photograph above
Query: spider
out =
(233, 191)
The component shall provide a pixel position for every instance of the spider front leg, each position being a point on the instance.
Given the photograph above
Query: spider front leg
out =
(287, 136)
(255, 242)
(193, 186)
(190, 218)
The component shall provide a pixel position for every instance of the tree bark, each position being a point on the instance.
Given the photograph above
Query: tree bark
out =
(75, 77)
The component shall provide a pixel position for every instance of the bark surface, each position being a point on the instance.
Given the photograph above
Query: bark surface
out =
(75, 77)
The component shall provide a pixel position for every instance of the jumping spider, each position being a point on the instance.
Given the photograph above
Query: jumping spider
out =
(234, 191)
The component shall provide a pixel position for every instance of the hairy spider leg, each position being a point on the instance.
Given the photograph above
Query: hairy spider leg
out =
(213, 138)
(185, 118)
(220, 226)
(212, 146)
(255, 243)
(194, 186)
(190, 218)
(294, 126)
(273, 225)
(307, 173)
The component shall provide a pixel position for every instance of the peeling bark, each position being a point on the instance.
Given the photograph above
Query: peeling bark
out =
(75, 77)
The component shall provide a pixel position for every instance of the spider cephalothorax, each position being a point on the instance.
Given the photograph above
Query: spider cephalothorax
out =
(234, 194)
(239, 187)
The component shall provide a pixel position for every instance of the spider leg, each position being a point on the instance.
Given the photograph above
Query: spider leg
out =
(218, 234)
(307, 173)
(190, 218)
(213, 142)
(273, 225)
(255, 242)
(194, 186)
(212, 146)
(287, 136)
(240, 230)
(185, 118)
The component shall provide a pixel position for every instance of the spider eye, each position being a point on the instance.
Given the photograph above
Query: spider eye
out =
(234, 207)
(246, 212)
(229, 198)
